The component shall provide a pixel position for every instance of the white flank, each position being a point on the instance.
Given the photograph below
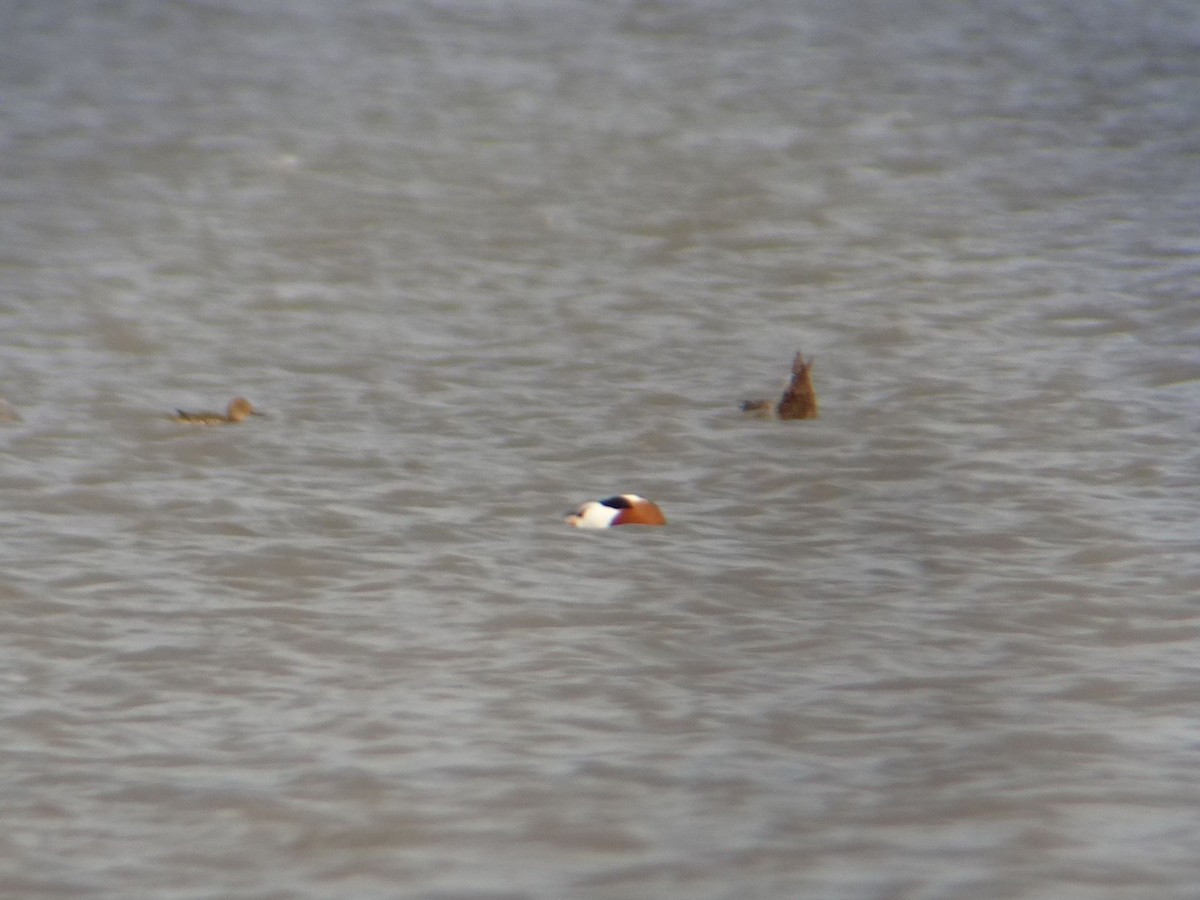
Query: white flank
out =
(592, 515)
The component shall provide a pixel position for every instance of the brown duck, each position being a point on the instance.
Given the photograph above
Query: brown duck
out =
(238, 411)
(799, 400)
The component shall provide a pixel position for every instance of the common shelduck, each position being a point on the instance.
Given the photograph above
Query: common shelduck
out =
(799, 400)
(623, 509)
(239, 409)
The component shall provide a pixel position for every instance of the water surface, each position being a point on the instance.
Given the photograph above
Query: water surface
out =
(480, 263)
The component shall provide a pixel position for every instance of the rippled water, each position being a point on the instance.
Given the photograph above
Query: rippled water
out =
(482, 262)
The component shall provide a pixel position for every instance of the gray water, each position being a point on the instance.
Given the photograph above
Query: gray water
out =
(481, 262)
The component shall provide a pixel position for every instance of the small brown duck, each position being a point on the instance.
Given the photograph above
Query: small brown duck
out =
(799, 400)
(8, 415)
(239, 409)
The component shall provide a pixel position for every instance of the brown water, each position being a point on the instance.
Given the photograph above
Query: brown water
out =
(482, 262)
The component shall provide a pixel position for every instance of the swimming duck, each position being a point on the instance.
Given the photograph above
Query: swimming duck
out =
(799, 400)
(239, 409)
(623, 509)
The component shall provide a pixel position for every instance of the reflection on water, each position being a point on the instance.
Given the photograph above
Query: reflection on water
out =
(481, 265)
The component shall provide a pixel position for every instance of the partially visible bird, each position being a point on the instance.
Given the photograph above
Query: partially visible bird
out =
(238, 411)
(8, 415)
(623, 509)
(799, 400)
